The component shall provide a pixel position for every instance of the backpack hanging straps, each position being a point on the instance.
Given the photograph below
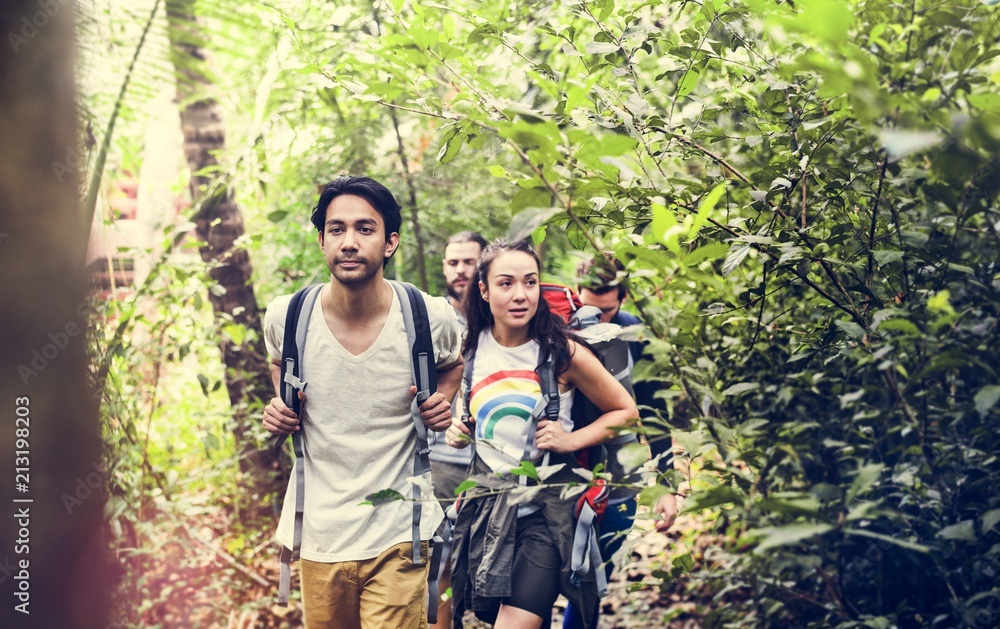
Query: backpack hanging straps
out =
(470, 361)
(296, 326)
(425, 378)
(586, 554)
(424, 368)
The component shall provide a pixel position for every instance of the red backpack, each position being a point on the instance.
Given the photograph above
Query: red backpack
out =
(563, 300)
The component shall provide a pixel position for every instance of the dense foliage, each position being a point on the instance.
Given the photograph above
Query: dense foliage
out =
(805, 197)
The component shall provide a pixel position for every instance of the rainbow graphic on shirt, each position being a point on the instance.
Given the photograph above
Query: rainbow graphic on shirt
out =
(503, 394)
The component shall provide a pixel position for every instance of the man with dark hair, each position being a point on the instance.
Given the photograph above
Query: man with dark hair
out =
(450, 466)
(461, 253)
(602, 287)
(357, 567)
(378, 197)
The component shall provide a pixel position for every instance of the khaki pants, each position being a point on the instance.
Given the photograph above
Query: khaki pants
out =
(387, 591)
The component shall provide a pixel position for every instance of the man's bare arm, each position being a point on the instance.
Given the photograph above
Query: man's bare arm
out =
(450, 379)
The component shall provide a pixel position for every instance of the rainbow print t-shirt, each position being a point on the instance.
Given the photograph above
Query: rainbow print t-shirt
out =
(505, 393)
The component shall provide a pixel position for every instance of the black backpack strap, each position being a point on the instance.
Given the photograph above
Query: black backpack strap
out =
(424, 368)
(549, 385)
(293, 346)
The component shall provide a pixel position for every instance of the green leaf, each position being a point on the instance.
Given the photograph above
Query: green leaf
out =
(277, 216)
(451, 147)
(990, 520)
(791, 503)
(710, 251)
(690, 441)
(236, 332)
(829, 20)
(900, 325)
(706, 207)
(742, 387)
(632, 456)
(941, 303)
(464, 486)
(735, 257)
(867, 476)
(527, 468)
(606, 10)
(482, 32)
(849, 398)
(986, 399)
(718, 495)
(601, 48)
(651, 495)
(527, 220)
(887, 257)
(851, 329)
(963, 531)
(986, 102)
(381, 497)
(788, 534)
(688, 83)
(665, 229)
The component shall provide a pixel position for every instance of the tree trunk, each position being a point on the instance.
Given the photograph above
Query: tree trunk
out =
(414, 212)
(219, 224)
(53, 563)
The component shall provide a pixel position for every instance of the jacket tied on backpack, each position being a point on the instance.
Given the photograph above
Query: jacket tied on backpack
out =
(483, 547)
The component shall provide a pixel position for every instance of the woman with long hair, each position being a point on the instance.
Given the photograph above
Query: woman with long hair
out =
(512, 548)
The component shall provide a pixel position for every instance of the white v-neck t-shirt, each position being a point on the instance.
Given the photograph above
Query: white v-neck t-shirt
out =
(358, 435)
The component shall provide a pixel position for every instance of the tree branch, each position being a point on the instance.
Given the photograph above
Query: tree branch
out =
(869, 275)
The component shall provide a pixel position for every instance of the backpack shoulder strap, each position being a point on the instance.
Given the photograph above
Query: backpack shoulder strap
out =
(418, 332)
(300, 309)
(423, 366)
(293, 346)
(549, 385)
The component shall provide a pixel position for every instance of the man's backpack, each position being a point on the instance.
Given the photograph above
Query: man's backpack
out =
(614, 354)
(423, 364)
(562, 300)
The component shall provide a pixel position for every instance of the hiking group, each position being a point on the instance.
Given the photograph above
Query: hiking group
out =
(384, 418)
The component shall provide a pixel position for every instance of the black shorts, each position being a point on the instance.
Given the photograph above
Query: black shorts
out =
(535, 577)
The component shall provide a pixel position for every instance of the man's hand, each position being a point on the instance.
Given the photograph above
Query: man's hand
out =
(666, 506)
(279, 419)
(435, 411)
